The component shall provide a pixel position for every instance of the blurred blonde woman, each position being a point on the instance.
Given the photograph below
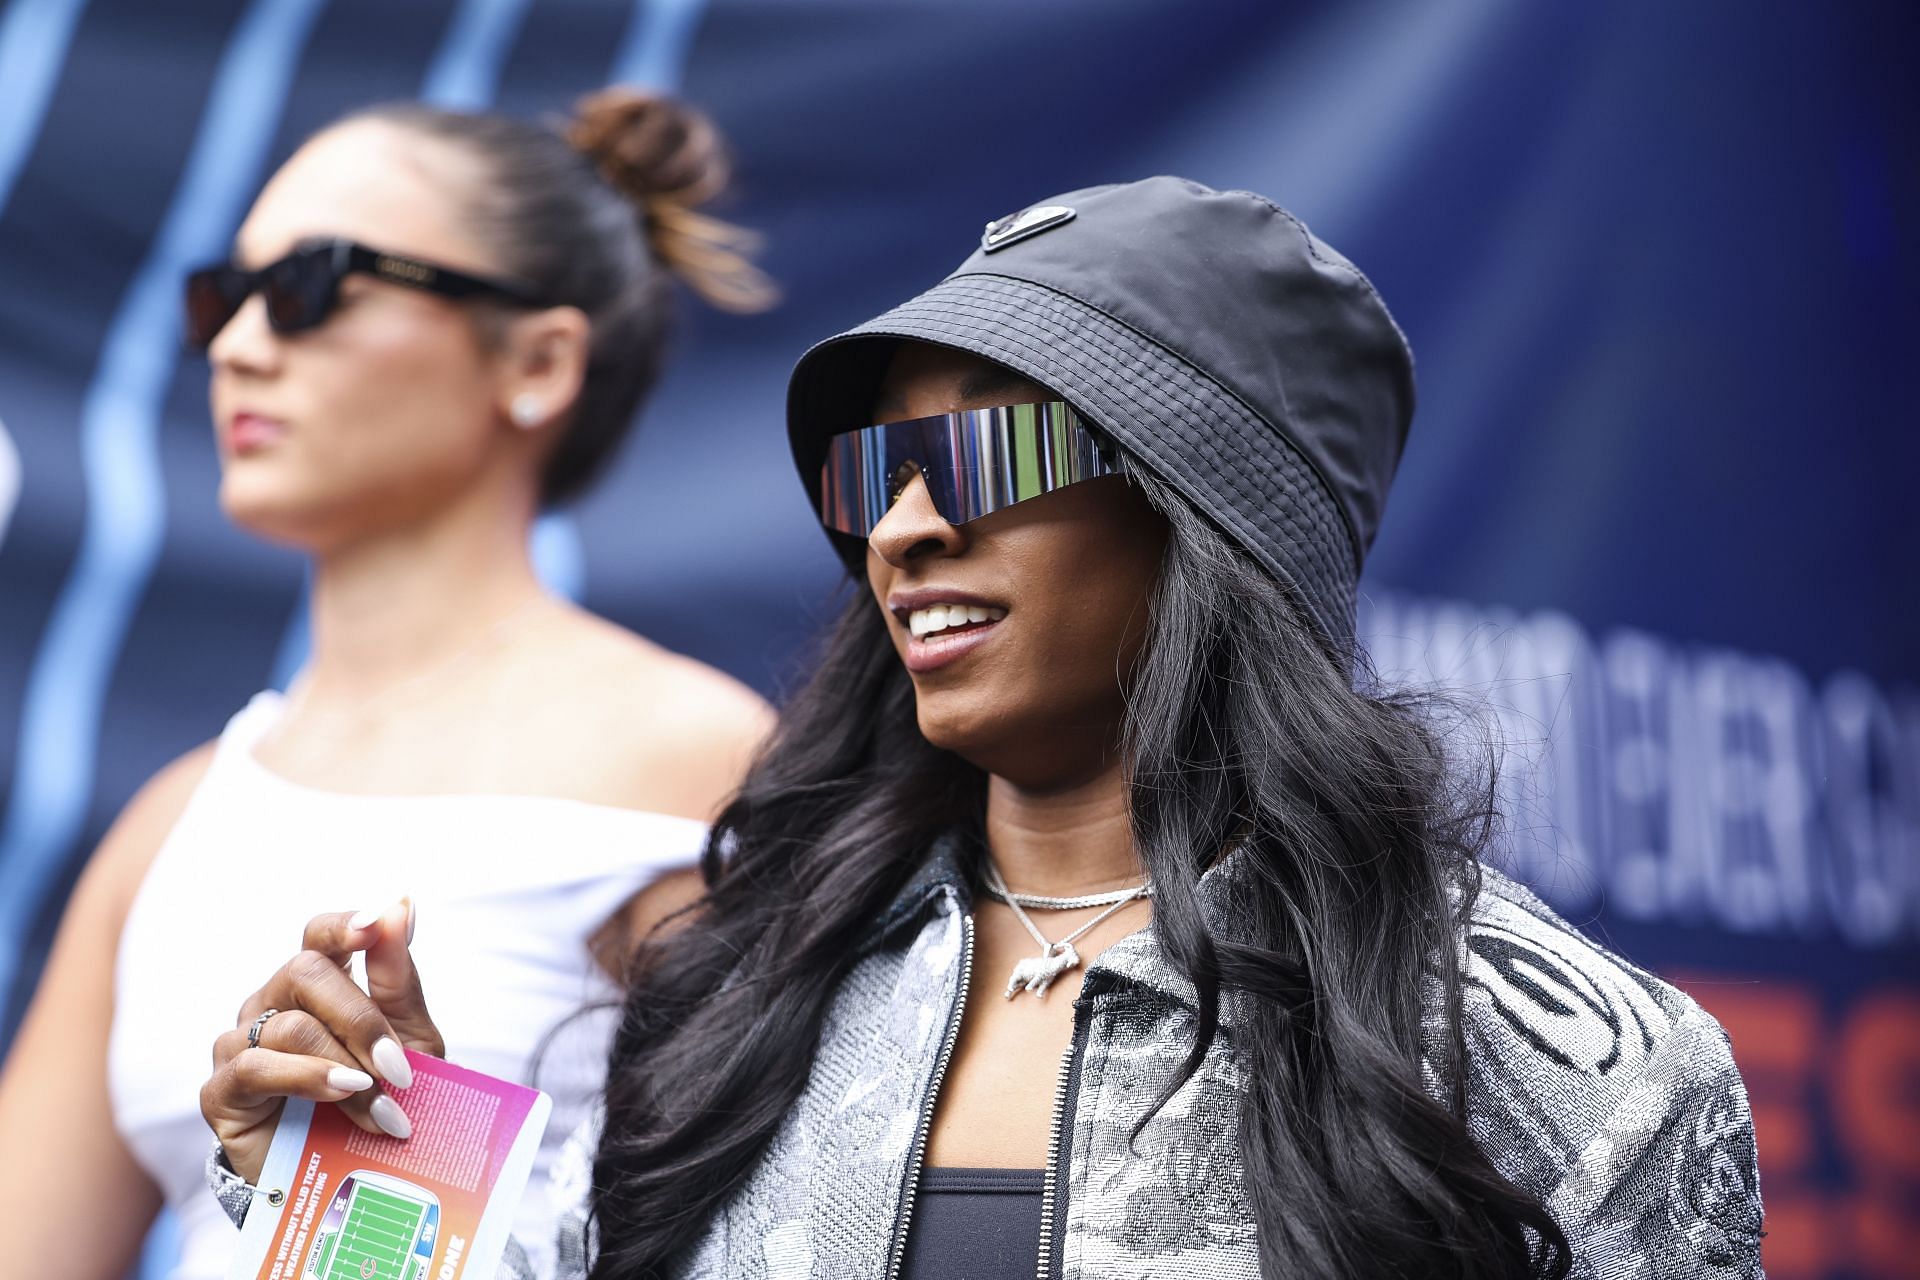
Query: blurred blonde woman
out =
(434, 325)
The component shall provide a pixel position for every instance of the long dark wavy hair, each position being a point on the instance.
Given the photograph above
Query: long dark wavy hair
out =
(1355, 856)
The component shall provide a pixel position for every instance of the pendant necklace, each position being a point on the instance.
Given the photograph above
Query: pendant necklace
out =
(1037, 973)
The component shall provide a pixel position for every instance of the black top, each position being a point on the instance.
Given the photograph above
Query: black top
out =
(975, 1224)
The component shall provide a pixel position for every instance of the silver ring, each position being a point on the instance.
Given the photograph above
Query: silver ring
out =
(253, 1032)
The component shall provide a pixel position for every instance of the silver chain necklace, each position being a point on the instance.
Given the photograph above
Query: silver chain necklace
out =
(1037, 973)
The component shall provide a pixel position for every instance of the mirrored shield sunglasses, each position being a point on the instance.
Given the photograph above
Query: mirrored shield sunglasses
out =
(974, 462)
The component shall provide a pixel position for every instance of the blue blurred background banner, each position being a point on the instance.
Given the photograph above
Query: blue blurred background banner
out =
(1657, 263)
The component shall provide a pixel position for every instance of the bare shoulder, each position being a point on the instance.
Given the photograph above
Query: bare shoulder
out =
(667, 733)
(56, 1118)
(118, 865)
(662, 905)
(640, 681)
(90, 924)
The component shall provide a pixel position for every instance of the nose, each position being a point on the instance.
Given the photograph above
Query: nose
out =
(913, 529)
(246, 343)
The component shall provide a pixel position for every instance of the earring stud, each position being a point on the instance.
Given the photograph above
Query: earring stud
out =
(525, 410)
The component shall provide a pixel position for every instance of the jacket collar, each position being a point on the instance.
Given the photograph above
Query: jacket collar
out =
(941, 872)
(1138, 959)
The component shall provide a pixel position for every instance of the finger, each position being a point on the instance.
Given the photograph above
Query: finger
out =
(227, 1046)
(252, 1007)
(334, 934)
(338, 934)
(256, 1081)
(284, 1032)
(250, 1087)
(394, 982)
(312, 982)
(298, 1033)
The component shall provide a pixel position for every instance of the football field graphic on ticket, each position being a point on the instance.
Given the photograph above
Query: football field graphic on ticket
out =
(377, 1228)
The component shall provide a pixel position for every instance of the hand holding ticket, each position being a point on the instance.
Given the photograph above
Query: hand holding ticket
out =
(338, 1203)
(312, 1032)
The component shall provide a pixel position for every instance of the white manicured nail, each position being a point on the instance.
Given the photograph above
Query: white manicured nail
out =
(391, 1060)
(363, 920)
(348, 1080)
(409, 902)
(387, 1114)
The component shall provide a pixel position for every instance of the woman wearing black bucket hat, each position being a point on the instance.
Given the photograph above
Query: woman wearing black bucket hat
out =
(1135, 449)
(1083, 914)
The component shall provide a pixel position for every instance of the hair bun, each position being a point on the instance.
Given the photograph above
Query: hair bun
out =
(668, 159)
(650, 146)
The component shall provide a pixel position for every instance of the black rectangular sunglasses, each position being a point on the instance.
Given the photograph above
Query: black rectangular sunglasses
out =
(301, 289)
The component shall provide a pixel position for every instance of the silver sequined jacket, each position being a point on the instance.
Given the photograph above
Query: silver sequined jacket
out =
(1605, 1092)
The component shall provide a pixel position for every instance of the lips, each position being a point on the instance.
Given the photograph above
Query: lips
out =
(249, 432)
(943, 626)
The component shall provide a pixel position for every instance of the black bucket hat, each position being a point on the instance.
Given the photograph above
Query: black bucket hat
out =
(1209, 333)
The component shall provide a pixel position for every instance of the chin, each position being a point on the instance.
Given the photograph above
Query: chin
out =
(1033, 740)
(267, 510)
(1002, 740)
(967, 731)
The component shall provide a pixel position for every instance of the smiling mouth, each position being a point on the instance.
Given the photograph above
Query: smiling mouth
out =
(951, 619)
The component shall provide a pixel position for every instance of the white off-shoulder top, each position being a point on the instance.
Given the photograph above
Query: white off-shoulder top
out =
(507, 891)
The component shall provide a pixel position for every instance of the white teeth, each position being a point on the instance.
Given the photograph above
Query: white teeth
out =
(941, 617)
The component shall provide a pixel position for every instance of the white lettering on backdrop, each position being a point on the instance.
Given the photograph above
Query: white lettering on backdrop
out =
(1682, 785)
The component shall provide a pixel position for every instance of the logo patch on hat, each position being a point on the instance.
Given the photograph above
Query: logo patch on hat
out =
(1028, 222)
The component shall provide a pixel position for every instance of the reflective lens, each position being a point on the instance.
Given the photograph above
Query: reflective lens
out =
(214, 294)
(974, 462)
(299, 291)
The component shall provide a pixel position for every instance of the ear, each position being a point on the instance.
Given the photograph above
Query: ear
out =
(542, 366)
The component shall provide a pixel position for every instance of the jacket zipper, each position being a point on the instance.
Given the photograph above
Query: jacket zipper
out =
(1050, 1195)
(899, 1250)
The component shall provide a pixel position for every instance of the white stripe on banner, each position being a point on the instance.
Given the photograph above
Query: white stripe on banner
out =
(654, 50)
(60, 719)
(465, 72)
(9, 480)
(34, 38)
